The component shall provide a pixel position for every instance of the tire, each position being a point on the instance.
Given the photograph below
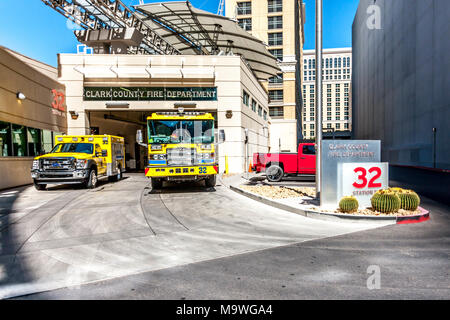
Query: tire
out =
(274, 173)
(156, 184)
(117, 177)
(210, 182)
(40, 187)
(92, 179)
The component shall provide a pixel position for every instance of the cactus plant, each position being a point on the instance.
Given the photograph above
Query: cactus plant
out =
(386, 201)
(408, 198)
(348, 204)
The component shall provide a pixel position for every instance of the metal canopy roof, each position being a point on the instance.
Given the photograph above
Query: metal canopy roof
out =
(194, 31)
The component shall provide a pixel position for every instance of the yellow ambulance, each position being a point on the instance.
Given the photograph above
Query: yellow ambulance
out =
(80, 160)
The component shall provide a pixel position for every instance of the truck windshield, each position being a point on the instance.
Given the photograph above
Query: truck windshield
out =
(74, 148)
(184, 131)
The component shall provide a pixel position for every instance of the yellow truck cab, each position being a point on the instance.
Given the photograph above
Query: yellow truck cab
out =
(80, 160)
(181, 147)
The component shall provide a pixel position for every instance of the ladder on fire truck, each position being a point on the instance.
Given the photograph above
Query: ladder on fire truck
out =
(112, 14)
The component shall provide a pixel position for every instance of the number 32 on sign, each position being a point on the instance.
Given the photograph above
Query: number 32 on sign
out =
(362, 180)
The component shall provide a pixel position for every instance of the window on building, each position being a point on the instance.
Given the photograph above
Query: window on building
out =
(276, 111)
(345, 125)
(245, 24)
(275, 5)
(329, 125)
(278, 53)
(328, 118)
(246, 98)
(254, 105)
(265, 115)
(338, 125)
(311, 126)
(244, 8)
(277, 79)
(276, 95)
(34, 142)
(46, 140)
(275, 22)
(260, 111)
(5, 139)
(19, 136)
(276, 39)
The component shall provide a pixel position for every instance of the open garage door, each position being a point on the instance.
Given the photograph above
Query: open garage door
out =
(125, 124)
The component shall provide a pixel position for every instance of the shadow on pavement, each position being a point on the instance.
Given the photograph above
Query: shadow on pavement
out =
(10, 241)
(183, 187)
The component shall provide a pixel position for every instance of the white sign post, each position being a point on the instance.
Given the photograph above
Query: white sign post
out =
(362, 180)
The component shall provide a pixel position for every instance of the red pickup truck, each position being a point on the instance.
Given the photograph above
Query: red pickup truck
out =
(277, 165)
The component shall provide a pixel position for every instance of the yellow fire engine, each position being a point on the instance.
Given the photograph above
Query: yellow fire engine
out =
(181, 147)
(80, 159)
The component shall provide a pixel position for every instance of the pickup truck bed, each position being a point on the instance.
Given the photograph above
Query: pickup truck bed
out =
(277, 165)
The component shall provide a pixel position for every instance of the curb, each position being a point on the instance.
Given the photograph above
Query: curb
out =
(336, 216)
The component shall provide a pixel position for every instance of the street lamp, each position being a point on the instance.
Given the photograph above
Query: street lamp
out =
(318, 98)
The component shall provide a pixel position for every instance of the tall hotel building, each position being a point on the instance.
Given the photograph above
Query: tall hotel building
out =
(279, 24)
(337, 88)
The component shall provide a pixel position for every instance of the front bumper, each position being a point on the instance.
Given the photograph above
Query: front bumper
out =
(59, 177)
(161, 172)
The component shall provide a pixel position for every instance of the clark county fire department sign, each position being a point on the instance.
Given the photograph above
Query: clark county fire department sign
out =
(149, 94)
(336, 152)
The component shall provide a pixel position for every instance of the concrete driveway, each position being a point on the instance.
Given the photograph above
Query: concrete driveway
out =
(66, 236)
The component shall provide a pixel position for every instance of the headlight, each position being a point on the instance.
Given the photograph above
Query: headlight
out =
(35, 165)
(81, 164)
(207, 155)
(156, 147)
(206, 146)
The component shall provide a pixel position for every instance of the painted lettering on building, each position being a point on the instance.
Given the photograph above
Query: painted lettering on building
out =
(58, 100)
(149, 94)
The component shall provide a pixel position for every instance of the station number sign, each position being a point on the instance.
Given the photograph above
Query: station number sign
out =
(362, 180)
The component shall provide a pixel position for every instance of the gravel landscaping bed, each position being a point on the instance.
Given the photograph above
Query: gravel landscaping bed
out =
(280, 192)
(276, 192)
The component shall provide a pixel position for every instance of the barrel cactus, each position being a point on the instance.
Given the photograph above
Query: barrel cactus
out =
(348, 204)
(386, 201)
(408, 198)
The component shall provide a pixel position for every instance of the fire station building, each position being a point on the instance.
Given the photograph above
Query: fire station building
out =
(114, 94)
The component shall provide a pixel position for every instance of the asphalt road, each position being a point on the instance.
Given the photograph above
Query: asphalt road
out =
(413, 261)
(67, 237)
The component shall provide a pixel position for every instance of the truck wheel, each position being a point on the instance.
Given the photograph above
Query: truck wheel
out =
(274, 173)
(92, 180)
(210, 182)
(156, 184)
(117, 177)
(119, 174)
(40, 187)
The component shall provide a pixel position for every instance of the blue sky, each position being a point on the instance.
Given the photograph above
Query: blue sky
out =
(33, 29)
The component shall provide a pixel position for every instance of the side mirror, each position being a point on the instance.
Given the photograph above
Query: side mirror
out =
(104, 153)
(98, 154)
(139, 137)
(222, 136)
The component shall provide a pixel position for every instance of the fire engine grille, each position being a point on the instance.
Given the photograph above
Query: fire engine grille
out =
(58, 164)
(181, 156)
